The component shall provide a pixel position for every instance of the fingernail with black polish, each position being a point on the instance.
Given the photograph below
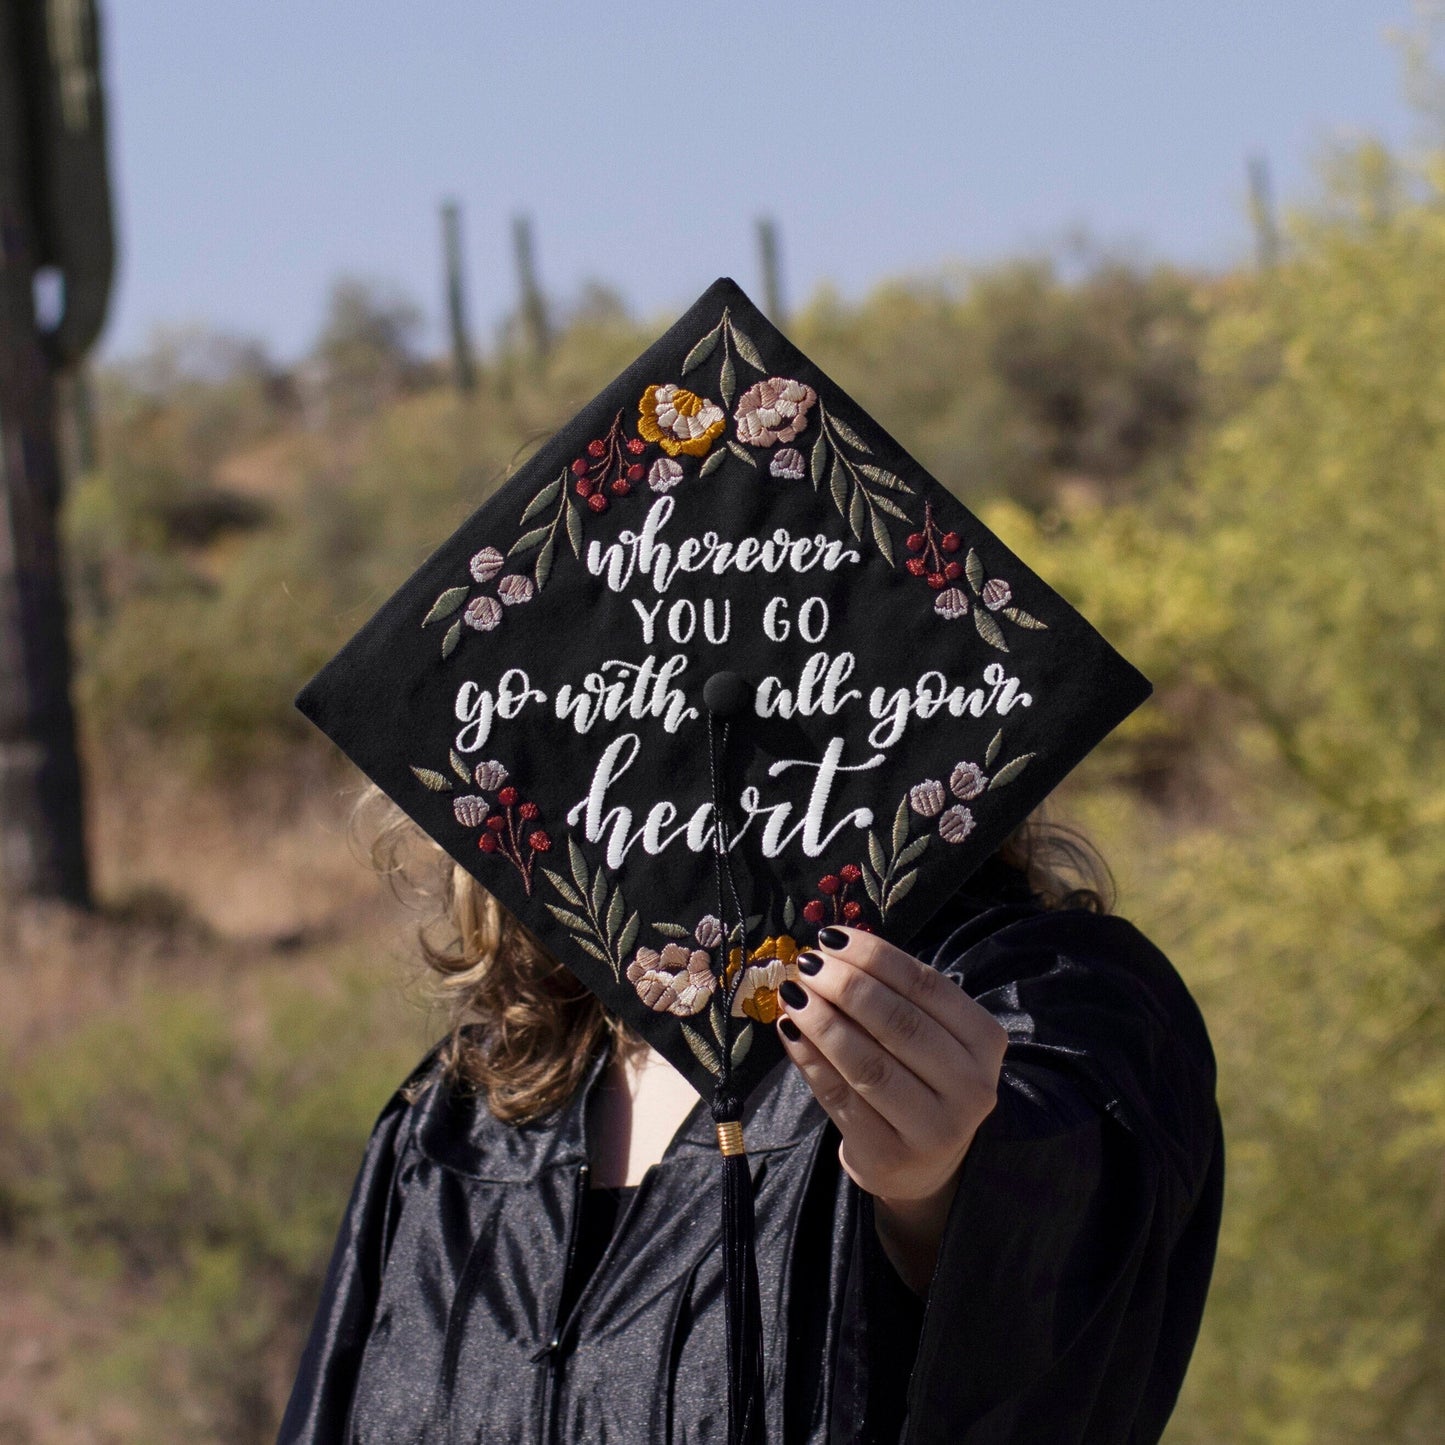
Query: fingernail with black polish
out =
(792, 994)
(790, 1030)
(833, 938)
(810, 963)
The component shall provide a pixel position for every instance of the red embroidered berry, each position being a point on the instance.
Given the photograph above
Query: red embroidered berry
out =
(596, 448)
(937, 581)
(508, 797)
(636, 472)
(621, 487)
(916, 566)
(950, 542)
(584, 487)
(597, 502)
(828, 885)
(916, 542)
(579, 467)
(636, 445)
(953, 570)
(529, 811)
(497, 823)
(852, 911)
(813, 910)
(540, 841)
(850, 872)
(487, 842)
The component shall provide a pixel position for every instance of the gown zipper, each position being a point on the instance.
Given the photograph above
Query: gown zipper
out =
(547, 1355)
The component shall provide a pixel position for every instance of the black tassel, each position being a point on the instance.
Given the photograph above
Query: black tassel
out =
(746, 1422)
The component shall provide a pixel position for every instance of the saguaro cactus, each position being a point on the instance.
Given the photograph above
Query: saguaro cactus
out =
(464, 374)
(55, 212)
(535, 322)
(772, 270)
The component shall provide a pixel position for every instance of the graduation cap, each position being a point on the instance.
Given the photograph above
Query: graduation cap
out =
(719, 666)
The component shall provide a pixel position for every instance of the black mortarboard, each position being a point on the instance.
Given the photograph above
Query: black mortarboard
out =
(719, 665)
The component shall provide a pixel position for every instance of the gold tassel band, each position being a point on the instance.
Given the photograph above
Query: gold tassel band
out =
(730, 1138)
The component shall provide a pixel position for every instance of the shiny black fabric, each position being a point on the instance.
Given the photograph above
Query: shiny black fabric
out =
(1063, 1309)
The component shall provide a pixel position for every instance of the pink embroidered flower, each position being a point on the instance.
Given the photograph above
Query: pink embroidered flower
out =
(665, 474)
(490, 776)
(967, 781)
(956, 824)
(928, 798)
(678, 980)
(773, 411)
(483, 613)
(486, 564)
(951, 604)
(471, 811)
(996, 593)
(515, 589)
(709, 931)
(787, 463)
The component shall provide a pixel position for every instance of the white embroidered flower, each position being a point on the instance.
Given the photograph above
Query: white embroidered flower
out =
(677, 980)
(967, 781)
(709, 931)
(490, 776)
(515, 589)
(787, 463)
(956, 824)
(483, 613)
(951, 603)
(486, 564)
(665, 474)
(927, 798)
(996, 593)
(470, 811)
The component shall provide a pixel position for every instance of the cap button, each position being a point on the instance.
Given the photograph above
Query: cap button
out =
(727, 695)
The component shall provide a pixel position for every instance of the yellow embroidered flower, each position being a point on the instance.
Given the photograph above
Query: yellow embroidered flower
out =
(679, 421)
(769, 964)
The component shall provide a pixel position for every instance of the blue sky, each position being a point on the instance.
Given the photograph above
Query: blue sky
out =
(263, 148)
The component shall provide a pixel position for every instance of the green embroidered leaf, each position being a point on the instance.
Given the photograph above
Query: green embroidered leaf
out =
(994, 745)
(454, 636)
(579, 866)
(590, 948)
(989, 630)
(727, 381)
(568, 892)
(742, 1044)
(671, 930)
(850, 436)
(431, 779)
(629, 936)
(884, 478)
(1025, 619)
(446, 604)
(790, 914)
(615, 911)
(855, 513)
(544, 498)
(715, 1017)
(838, 485)
(820, 459)
(875, 855)
(1010, 770)
(742, 454)
(712, 463)
(746, 349)
(599, 892)
(973, 570)
(704, 1050)
(702, 350)
(459, 767)
(575, 923)
(891, 507)
(574, 529)
(872, 886)
(544, 563)
(913, 852)
(900, 890)
(880, 534)
(528, 540)
(900, 824)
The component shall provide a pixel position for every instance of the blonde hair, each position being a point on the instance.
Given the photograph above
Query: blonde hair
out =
(522, 1030)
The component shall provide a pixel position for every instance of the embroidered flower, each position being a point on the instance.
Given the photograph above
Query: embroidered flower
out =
(678, 980)
(709, 931)
(951, 604)
(490, 776)
(665, 474)
(996, 593)
(486, 564)
(956, 824)
(772, 962)
(470, 812)
(680, 421)
(483, 613)
(773, 411)
(967, 781)
(515, 589)
(787, 463)
(927, 798)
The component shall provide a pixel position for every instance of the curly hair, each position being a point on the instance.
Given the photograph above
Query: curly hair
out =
(522, 1030)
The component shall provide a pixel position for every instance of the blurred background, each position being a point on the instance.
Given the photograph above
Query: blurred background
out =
(1158, 290)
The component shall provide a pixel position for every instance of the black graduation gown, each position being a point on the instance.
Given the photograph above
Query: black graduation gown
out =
(1064, 1306)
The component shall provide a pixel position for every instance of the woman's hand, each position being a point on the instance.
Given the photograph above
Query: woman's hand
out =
(906, 1065)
